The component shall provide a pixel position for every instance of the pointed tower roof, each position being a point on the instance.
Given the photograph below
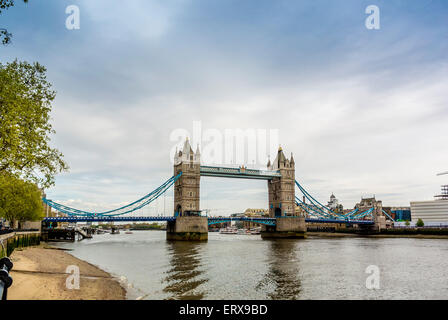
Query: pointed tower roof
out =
(176, 156)
(197, 155)
(281, 155)
(187, 147)
(279, 159)
(292, 159)
(269, 162)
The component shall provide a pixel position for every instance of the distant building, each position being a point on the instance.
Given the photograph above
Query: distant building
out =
(368, 203)
(256, 212)
(432, 211)
(253, 213)
(401, 213)
(333, 203)
(237, 215)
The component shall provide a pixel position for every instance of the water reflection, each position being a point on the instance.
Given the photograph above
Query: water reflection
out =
(282, 281)
(185, 273)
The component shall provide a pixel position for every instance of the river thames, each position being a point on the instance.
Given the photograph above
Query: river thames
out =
(247, 267)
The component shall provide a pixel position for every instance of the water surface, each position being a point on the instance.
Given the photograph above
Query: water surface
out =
(247, 267)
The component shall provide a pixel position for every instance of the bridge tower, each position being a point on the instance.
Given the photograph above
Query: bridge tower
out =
(187, 187)
(282, 201)
(281, 189)
(378, 216)
(189, 225)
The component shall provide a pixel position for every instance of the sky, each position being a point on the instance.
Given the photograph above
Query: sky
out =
(364, 111)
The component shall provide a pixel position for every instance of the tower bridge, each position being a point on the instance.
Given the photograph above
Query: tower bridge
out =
(186, 223)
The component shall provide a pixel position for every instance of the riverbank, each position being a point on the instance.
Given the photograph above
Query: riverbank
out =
(380, 235)
(39, 273)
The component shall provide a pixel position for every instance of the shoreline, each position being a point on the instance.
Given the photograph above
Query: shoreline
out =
(39, 273)
(353, 235)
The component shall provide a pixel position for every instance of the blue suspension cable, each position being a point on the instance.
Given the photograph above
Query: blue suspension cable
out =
(388, 215)
(140, 203)
(321, 213)
(349, 215)
(314, 201)
(72, 211)
(363, 214)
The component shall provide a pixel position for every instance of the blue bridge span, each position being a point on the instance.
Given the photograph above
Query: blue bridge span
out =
(314, 211)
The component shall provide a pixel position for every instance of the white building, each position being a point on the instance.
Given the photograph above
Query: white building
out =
(333, 203)
(431, 212)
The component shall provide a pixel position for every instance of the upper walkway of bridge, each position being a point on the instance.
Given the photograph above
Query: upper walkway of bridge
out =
(242, 173)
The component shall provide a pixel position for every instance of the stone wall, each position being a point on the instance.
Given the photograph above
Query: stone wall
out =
(32, 225)
(189, 224)
(13, 240)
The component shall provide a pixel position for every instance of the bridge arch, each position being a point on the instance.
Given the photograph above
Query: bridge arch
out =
(278, 212)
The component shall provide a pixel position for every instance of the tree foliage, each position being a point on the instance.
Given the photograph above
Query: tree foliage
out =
(25, 106)
(420, 223)
(5, 36)
(19, 200)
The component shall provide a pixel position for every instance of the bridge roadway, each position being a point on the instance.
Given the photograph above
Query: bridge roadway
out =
(211, 220)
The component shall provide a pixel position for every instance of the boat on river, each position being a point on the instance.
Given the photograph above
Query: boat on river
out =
(228, 230)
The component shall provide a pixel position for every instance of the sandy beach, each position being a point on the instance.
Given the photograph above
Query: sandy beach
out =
(39, 273)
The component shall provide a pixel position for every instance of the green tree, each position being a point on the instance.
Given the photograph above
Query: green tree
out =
(407, 223)
(5, 36)
(25, 106)
(420, 223)
(19, 200)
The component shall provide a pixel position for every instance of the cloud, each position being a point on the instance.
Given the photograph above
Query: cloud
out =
(363, 111)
